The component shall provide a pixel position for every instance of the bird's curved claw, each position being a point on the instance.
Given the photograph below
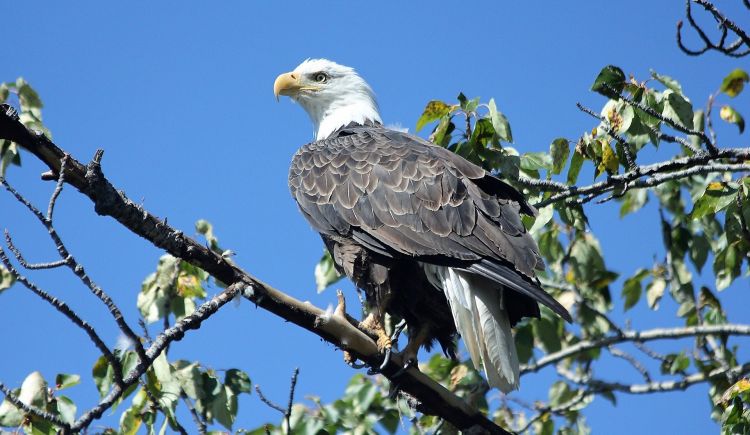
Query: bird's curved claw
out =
(397, 330)
(355, 365)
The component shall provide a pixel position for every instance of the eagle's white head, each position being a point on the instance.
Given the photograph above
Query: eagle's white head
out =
(333, 95)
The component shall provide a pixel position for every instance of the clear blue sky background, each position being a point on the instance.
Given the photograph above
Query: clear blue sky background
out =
(179, 96)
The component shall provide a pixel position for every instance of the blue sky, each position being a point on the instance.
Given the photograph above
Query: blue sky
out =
(179, 94)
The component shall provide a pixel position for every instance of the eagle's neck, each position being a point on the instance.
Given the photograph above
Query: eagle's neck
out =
(328, 115)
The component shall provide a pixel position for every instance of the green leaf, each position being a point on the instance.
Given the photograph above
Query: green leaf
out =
(716, 197)
(130, 421)
(524, 338)
(9, 155)
(66, 409)
(699, 247)
(727, 266)
(734, 82)
(434, 110)
(467, 105)
(442, 133)
(667, 81)
(548, 332)
(677, 108)
(728, 114)
(739, 387)
(34, 391)
(64, 381)
(576, 162)
(655, 291)
(238, 381)
(679, 364)
(536, 161)
(509, 166)
(27, 96)
(633, 201)
(224, 407)
(103, 375)
(544, 216)
(325, 272)
(610, 76)
(632, 289)
(559, 149)
(10, 416)
(157, 289)
(560, 393)
(499, 122)
(6, 279)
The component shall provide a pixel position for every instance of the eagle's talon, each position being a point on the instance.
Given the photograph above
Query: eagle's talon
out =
(397, 332)
(386, 359)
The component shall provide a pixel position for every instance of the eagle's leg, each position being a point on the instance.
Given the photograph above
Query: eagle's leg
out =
(409, 354)
(373, 325)
(341, 311)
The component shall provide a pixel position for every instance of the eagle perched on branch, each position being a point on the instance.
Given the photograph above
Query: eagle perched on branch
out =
(429, 236)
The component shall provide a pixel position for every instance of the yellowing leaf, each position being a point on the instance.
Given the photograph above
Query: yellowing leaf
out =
(728, 114)
(738, 388)
(609, 159)
(734, 82)
(435, 110)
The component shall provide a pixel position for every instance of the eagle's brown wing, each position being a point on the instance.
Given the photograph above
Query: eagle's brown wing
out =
(399, 195)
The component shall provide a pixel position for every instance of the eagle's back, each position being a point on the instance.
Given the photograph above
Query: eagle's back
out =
(402, 197)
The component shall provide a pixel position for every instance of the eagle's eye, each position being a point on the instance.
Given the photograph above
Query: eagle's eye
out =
(320, 77)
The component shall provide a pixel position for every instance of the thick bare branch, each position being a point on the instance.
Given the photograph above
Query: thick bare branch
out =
(89, 180)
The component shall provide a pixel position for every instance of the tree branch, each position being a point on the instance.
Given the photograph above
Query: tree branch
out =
(637, 336)
(89, 180)
(658, 386)
(68, 312)
(40, 413)
(725, 25)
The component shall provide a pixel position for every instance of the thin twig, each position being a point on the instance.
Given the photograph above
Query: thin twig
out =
(58, 187)
(619, 353)
(68, 312)
(40, 413)
(175, 333)
(193, 412)
(78, 269)
(725, 25)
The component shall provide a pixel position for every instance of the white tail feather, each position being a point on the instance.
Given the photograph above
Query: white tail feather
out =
(482, 321)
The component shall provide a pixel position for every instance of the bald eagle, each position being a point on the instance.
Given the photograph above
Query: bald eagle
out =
(427, 235)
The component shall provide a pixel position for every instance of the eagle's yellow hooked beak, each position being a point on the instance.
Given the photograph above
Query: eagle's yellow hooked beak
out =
(290, 84)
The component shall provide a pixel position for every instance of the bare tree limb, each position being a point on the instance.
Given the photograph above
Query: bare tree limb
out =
(637, 336)
(286, 413)
(68, 312)
(657, 386)
(725, 24)
(71, 262)
(89, 180)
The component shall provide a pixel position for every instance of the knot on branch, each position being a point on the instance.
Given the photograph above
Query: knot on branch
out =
(99, 188)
